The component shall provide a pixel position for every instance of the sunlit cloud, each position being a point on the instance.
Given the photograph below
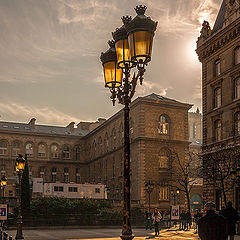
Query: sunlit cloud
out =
(44, 114)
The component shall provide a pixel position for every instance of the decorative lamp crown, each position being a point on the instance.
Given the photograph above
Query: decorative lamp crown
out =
(140, 9)
(126, 19)
(110, 54)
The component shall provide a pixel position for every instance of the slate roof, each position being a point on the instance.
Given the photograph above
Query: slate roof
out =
(45, 129)
(220, 18)
(155, 96)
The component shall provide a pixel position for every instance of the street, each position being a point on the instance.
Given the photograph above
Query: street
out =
(97, 234)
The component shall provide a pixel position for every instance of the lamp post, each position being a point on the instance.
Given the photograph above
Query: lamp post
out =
(174, 195)
(149, 188)
(3, 185)
(19, 166)
(131, 48)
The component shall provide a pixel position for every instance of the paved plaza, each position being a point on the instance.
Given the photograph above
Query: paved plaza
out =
(97, 234)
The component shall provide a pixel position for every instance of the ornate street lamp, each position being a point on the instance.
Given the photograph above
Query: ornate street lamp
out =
(3, 185)
(19, 166)
(149, 188)
(133, 47)
(175, 194)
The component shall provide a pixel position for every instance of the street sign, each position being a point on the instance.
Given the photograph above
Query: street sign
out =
(3, 211)
(175, 212)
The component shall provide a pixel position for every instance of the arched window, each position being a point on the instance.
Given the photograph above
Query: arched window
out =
(77, 153)
(3, 147)
(54, 151)
(237, 123)
(66, 152)
(217, 67)
(16, 148)
(163, 192)
(237, 88)
(217, 130)
(163, 125)
(41, 150)
(29, 149)
(163, 158)
(217, 97)
(237, 55)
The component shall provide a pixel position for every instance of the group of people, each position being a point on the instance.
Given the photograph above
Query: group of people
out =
(211, 226)
(215, 226)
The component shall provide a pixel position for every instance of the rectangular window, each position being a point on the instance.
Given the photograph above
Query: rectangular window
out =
(54, 177)
(66, 178)
(163, 193)
(72, 189)
(217, 67)
(58, 188)
(97, 190)
(78, 179)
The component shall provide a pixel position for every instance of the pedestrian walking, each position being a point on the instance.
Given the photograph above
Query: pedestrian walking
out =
(197, 216)
(188, 218)
(182, 217)
(232, 217)
(148, 220)
(157, 217)
(212, 226)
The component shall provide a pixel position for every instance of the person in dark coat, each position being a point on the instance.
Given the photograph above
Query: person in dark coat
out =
(231, 216)
(212, 226)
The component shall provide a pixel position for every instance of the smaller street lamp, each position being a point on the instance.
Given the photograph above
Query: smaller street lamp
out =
(19, 166)
(3, 185)
(174, 195)
(149, 188)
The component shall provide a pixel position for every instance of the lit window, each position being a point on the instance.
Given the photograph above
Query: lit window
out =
(163, 159)
(217, 67)
(237, 88)
(218, 130)
(3, 147)
(237, 55)
(237, 123)
(163, 125)
(163, 193)
(54, 152)
(217, 97)
(41, 150)
(194, 130)
(66, 152)
(16, 148)
(29, 149)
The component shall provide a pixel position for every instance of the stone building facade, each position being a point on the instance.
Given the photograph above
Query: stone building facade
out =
(218, 50)
(93, 152)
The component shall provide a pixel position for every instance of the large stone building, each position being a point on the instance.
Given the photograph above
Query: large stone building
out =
(93, 152)
(219, 52)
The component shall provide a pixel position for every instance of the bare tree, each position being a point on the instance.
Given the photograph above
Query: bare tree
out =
(184, 174)
(217, 170)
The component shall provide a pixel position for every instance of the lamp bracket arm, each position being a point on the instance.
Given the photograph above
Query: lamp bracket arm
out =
(133, 85)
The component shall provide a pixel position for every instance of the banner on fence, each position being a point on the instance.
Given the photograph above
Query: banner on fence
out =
(175, 212)
(3, 211)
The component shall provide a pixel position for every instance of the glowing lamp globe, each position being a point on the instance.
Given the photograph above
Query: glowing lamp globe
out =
(20, 163)
(3, 181)
(140, 33)
(121, 44)
(112, 74)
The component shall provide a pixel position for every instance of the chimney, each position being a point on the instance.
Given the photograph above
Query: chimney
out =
(32, 123)
(70, 126)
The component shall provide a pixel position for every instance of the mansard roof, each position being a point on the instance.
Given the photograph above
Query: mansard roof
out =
(220, 18)
(41, 129)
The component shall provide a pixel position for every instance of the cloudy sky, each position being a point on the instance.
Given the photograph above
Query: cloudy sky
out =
(49, 55)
